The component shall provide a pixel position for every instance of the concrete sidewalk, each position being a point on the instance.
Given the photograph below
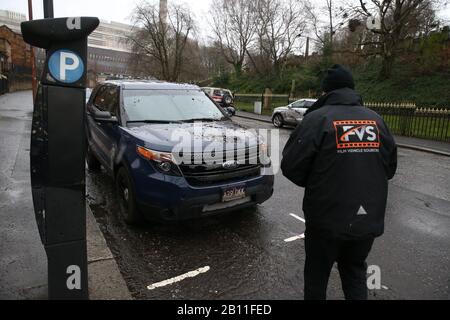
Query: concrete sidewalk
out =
(23, 262)
(436, 147)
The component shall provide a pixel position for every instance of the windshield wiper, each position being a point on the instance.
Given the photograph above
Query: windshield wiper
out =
(204, 120)
(154, 121)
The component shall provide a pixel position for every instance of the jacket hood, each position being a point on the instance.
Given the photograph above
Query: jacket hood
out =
(339, 97)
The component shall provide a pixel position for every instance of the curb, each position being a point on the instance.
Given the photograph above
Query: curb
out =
(422, 149)
(251, 118)
(400, 145)
(105, 280)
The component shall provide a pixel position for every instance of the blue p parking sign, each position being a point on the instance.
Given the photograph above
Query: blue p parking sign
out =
(66, 66)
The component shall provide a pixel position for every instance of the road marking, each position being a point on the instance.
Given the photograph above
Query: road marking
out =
(167, 282)
(297, 217)
(302, 236)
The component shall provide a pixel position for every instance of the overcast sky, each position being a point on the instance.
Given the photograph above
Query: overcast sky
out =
(110, 10)
(120, 10)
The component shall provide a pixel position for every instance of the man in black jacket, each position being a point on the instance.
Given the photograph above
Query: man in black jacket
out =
(344, 155)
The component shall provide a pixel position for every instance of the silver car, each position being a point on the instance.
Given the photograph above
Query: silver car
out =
(291, 114)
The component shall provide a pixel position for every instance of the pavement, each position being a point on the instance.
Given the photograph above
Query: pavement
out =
(436, 147)
(23, 262)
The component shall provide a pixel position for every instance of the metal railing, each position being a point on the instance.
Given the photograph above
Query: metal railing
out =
(403, 118)
(3, 84)
(409, 121)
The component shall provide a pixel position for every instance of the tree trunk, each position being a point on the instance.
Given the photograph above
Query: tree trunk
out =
(386, 68)
(238, 69)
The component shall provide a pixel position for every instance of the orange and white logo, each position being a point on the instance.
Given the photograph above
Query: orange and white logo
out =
(356, 134)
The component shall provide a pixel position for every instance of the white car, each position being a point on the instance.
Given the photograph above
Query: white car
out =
(292, 114)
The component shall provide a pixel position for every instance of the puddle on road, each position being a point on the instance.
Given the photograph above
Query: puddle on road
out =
(239, 248)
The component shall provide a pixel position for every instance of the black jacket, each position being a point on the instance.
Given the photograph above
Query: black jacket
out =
(344, 155)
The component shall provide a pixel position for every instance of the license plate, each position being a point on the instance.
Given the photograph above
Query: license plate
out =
(233, 193)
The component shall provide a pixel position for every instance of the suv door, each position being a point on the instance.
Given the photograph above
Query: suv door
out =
(104, 134)
(292, 114)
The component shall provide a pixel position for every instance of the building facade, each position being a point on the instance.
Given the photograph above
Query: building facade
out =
(109, 51)
(12, 20)
(15, 61)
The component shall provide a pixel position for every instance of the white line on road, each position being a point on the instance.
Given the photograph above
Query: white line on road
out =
(302, 236)
(167, 282)
(297, 217)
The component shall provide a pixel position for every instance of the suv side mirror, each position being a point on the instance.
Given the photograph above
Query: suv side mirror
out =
(104, 116)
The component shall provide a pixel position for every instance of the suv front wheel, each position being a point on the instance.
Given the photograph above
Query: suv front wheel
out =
(227, 100)
(125, 193)
(278, 121)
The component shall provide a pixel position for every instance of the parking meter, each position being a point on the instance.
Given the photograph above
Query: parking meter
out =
(57, 152)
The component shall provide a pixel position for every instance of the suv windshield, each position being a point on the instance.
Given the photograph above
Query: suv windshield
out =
(169, 106)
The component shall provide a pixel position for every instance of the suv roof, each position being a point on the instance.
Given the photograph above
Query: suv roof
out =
(151, 85)
(309, 100)
(215, 88)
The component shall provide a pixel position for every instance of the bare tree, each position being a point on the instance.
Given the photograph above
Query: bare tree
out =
(395, 20)
(163, 38)
(279, 27)
(234, 28)
(326, 29)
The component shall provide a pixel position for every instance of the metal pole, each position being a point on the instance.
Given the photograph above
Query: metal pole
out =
(307, 48)
(32, 60)
(48, 9)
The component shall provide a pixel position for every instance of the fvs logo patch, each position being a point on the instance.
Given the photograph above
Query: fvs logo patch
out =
(357, 134)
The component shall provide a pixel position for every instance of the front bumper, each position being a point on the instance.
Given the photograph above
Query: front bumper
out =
(175, 200)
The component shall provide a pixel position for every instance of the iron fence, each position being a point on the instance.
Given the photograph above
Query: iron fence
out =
(403, 118)
(3, 84)
(409, 121)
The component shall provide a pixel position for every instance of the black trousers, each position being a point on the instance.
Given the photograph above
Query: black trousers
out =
(350, 255)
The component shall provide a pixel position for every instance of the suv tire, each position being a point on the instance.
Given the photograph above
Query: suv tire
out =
(227, 100)
(278, 121)
(126, 195)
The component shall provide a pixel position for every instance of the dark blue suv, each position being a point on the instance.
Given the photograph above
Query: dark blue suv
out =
(155, 139)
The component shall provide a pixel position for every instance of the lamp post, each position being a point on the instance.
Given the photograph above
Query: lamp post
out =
(48, 9)
(32, 59)
(308, 40)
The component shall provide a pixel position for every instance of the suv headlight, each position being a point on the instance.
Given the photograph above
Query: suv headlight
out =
(164, 162)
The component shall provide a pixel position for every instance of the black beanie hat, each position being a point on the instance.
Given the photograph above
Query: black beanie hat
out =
(336, 78)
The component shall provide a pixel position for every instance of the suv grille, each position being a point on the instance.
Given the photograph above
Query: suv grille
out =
(210, 174)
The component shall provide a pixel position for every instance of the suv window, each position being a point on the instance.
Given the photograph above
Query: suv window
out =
(100, 99)
(169, 105)
(107, 99)
(298, 104)
(207, 91)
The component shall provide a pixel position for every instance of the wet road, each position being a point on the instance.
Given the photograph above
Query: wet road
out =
(254, 254)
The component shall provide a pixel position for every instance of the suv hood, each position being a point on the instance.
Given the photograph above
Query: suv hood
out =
(280, 109)
(164, 137)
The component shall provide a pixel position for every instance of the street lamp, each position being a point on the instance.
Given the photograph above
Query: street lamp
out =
(48, 9)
